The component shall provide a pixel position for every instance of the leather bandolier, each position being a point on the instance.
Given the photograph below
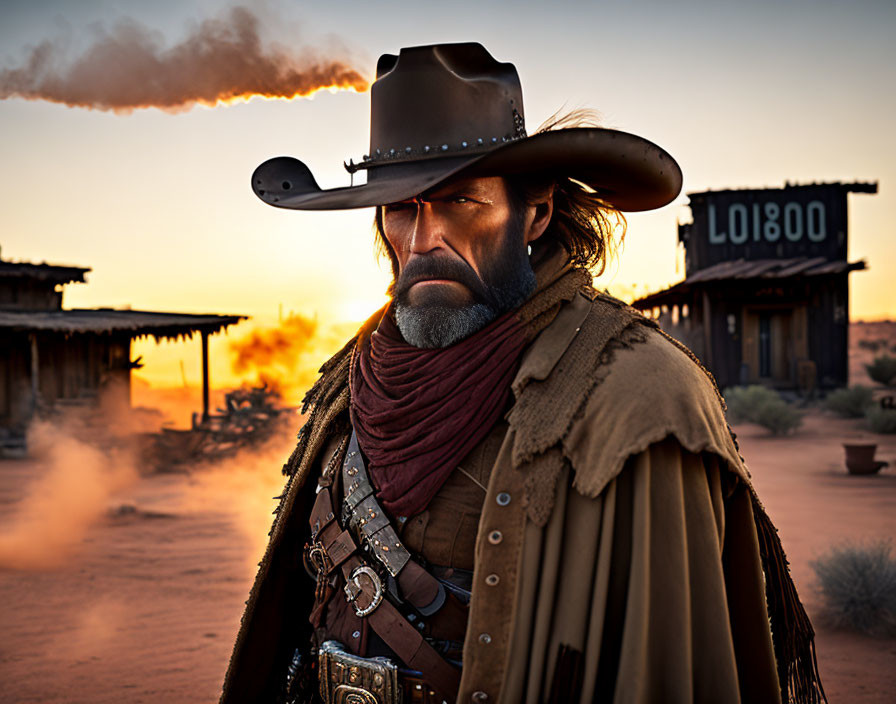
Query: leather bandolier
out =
(392, 594)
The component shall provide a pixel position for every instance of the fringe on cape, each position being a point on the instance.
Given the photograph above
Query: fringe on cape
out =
(792, 634)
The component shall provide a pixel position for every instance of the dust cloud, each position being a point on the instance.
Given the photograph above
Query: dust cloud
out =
(73, 491)
(222, 60)
(87, 465)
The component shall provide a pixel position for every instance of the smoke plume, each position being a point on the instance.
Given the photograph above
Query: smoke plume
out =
(279, 356)
(222, 60)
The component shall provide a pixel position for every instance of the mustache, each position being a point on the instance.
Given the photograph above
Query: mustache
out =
(439, 267)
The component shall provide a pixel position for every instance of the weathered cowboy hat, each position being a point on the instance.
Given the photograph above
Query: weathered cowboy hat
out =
(440, 110)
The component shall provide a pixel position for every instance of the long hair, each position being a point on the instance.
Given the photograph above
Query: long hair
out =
(584, 225)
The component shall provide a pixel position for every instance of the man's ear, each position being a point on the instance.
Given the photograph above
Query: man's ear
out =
(544, 210)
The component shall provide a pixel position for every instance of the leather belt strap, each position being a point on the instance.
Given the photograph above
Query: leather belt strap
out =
(407, 642)
(363, 515)
(365, 591)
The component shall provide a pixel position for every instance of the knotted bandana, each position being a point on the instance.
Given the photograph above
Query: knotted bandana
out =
(418, 412)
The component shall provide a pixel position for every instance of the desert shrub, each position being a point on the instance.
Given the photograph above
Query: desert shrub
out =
(858, 584)
(851, 402)
(881, 420)
(744, 401)
(758, 404)
(779, 417)
(873, 345)
(883, 370)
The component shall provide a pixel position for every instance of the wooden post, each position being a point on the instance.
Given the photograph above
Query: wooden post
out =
(204, 376)
(35, 366)
(707, 331)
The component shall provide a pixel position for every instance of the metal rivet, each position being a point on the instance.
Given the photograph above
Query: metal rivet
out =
(407, 150)
(421, 625)
(479, 141)
(494, 139)
(463, 144)
(485, 638)
(418, 686)
(356, 634)
(426, 148)
(378, 152)
(495, 537)
(492, 580)
(479, 697)
(503, 498)
(444, 147)
(411, 618)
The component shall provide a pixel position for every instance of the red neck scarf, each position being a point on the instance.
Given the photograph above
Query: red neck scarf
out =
(418, 412)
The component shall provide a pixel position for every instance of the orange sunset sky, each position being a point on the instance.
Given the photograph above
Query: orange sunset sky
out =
(158, 202)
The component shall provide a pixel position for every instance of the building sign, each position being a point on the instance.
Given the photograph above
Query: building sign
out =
(771, 223)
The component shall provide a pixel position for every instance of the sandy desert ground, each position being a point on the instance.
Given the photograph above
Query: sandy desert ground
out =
(136, 596)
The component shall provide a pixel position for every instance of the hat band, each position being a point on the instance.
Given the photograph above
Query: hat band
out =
(473, 145)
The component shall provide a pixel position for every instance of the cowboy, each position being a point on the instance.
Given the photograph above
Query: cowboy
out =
(510, 487)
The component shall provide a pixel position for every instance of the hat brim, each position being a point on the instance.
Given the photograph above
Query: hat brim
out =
(629, 172)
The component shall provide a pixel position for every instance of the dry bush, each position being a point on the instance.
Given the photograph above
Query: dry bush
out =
(858, 584)
(881, 420)
(763, 406)
(883, 370)
(851, 402)
(874, 345)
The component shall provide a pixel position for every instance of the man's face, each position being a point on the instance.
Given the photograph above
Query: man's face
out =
(462, 261)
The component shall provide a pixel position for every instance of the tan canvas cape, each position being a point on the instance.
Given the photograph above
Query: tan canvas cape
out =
(649, 584)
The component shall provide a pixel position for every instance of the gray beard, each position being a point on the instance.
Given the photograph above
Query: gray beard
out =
(433, 326)
(436, 326)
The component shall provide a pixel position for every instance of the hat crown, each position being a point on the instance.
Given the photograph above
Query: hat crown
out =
(443, 98)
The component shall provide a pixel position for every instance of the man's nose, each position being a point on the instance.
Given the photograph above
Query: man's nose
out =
(428, 230)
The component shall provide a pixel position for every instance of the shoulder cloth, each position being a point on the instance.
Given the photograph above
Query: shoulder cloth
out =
(600, 384)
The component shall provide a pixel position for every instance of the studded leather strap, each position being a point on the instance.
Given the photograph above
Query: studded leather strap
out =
(365, 591)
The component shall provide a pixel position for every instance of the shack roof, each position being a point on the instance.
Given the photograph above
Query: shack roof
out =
(104, 321)
(43, 272)
(854, 187)
(744, 270)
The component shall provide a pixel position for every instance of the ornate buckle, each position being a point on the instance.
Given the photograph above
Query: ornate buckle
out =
(353, 589)
(350, 679)
(318, 557)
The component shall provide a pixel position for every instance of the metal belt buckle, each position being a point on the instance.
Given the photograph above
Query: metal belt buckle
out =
(353, 589)
(350, 679)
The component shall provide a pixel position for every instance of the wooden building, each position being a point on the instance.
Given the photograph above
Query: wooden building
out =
(766, 293)
(51, 355)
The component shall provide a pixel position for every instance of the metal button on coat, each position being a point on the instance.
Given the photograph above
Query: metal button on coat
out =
(492, 580)
(356, 634)
(495, 537)
(485, 638)
(503, 498)
(479, 697)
